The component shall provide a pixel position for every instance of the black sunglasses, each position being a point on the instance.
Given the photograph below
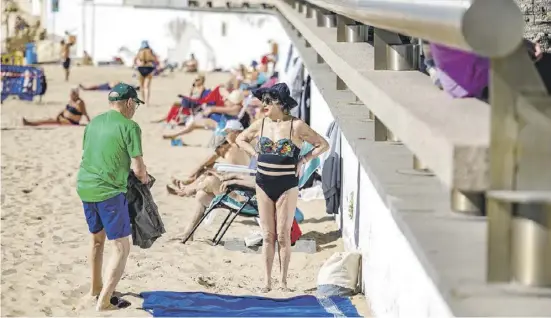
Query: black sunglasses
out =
(269, 99)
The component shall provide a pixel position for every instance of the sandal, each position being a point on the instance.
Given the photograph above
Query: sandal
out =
(119, 302)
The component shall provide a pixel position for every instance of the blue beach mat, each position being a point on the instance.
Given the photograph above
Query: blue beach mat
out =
(195, 304)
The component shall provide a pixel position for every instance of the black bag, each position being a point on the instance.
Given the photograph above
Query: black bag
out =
(147, 225)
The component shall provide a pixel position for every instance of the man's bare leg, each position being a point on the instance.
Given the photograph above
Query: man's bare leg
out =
(202, 201)
(196, 124)
(96, 258)
(115, 271)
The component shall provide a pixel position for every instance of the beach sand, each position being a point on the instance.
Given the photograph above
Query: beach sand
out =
(44, 237)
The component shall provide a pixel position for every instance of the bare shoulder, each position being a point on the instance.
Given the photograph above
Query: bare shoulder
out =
(300, 126)
(255, 125)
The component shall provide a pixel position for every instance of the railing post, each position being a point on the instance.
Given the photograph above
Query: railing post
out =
(348, 31)
(319, 59)
(391, 54)
(519, 200)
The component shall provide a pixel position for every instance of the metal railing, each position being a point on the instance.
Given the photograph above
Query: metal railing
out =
(518, 187)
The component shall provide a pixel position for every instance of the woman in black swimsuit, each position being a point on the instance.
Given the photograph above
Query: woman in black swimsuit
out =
(279, 136)
(145, 61)
(71, 115)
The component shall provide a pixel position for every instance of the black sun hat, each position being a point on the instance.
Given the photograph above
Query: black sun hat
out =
(279, 91)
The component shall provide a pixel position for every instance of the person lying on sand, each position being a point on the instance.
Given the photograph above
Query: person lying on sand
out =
(103, 86)
(212, 116)
(71, 115)
(225, 149)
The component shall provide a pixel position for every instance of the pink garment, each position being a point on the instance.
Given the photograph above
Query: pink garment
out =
(269, 83)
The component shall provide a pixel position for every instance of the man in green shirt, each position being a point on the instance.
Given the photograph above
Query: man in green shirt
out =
(112, 143)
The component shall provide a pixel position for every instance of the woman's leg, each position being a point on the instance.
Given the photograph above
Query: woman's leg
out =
(285, 213)
(147, 87)
(50, 121)
(266, 211)
(142, 91)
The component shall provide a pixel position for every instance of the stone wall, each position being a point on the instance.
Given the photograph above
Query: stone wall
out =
(537, 16)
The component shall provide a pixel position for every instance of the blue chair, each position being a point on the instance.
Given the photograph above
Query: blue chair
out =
(20, 85)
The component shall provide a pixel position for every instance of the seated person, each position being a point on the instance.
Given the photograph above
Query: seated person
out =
(212, 116)
(226, 149)
(191, 65)
(71, 115)
(87, 59)
(198, 86)
(182, 108)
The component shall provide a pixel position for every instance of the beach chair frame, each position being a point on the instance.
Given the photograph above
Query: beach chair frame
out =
(247, 192)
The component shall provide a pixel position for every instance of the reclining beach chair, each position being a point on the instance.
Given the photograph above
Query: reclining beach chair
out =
(246, 208)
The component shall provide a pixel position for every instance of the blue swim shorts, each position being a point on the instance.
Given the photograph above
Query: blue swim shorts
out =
(111, 215)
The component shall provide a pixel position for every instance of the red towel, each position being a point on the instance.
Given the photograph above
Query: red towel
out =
(175, 111)
(296, 233)
(212, 97)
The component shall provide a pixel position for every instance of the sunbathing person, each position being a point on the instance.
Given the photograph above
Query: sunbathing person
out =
(103, 87)
(212, 116)
(71, 115)
(226, 149)
(182, 108)
(191, 65)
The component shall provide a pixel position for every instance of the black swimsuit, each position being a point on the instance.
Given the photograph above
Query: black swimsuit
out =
(73, 111)
(284, 156)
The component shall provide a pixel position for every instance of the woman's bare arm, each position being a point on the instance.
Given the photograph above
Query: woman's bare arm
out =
(84, 111)
(244, 139)
(306, 133)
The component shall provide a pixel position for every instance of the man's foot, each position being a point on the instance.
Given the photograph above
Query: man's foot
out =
(180, 184)
(183, 192)
(114, 304)
(25, 122)
(265, 289)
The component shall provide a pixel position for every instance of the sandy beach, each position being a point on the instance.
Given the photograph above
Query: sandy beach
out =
(44, 237)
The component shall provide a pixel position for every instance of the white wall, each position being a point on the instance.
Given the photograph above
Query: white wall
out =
(106, 27)
(394, 281)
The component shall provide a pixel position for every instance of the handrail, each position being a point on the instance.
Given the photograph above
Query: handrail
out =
(492, 28)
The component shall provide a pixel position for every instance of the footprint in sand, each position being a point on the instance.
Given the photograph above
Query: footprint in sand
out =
(47, 311)
(9, 272)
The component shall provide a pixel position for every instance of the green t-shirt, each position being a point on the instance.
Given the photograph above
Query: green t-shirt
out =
(110, 140)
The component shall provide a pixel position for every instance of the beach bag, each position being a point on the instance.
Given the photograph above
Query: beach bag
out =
(339, 274)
